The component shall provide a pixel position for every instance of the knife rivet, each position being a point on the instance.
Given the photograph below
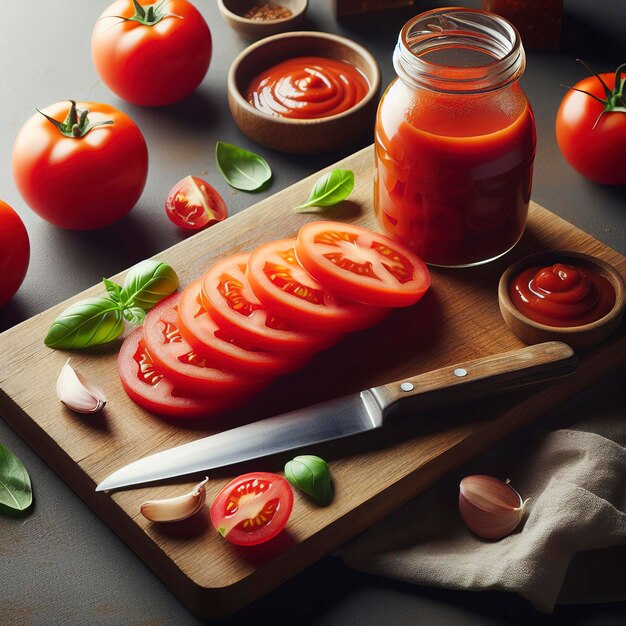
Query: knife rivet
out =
(407, 386)
(460, 372)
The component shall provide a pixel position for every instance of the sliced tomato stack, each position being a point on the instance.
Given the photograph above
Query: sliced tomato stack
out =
(254, 316)
(227, 294)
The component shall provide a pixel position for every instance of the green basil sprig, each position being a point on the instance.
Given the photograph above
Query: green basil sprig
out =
(147, 283)
(16, 493)
(241, 168)
(311, 474)
(332, 188)
(86, 323)
(96, 321)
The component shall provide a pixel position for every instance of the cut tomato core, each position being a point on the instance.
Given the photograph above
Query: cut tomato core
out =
(282, 277)
(231, 290)
(146, 372)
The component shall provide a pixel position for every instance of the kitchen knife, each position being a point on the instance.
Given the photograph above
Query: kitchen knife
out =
(356, 413)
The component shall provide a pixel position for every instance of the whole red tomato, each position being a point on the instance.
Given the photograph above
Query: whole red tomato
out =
(591, 127)
(80, 165)
(151, 54)
(14, 252)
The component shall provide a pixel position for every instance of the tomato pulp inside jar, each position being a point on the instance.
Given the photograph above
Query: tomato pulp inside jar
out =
(455, 139)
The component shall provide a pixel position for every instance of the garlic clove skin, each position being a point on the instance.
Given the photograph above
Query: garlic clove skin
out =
(178, 508)
(77, 393)
(490, 508)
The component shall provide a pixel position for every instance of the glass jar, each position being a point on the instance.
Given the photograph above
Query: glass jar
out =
(455, 139)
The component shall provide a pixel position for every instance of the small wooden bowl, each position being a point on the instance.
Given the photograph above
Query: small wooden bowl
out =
(233, 12)
(302, 136)
(578, 337)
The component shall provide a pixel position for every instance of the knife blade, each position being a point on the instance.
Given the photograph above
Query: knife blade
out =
(352, 414)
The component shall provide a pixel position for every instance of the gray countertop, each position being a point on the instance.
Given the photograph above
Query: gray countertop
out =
(61, 564)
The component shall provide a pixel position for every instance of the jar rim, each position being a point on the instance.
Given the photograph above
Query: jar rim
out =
(459, 27)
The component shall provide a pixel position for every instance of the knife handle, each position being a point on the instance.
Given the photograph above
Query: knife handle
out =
(478, 378)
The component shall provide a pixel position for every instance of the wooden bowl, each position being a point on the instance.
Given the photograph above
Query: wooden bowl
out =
(302, 136)
(578, 337)
(233, 12)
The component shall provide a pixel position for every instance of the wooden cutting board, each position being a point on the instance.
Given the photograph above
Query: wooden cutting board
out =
(373, 474)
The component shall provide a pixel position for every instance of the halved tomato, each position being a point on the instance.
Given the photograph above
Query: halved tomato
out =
(252, 508)
(361, 265)
(228, 296)
(288, 290)
(209, 339)
(177, 360)
(194, 204)
(151, 390)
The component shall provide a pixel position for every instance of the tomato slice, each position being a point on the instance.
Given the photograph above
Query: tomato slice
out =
(151, 390)
(252, 508)
(286, 289)
(362, 265)
(228, 296)
(209, 339)
(193, 204)
(177, 360)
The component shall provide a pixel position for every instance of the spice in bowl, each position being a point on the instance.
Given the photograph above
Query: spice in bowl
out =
(268, 13)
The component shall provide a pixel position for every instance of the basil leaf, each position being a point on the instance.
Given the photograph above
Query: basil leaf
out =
(311, 474)
(241, 168)
(113, 289)
(147, 283)
(135, 315)
(15, 489)
(332, 188)
(86, 323)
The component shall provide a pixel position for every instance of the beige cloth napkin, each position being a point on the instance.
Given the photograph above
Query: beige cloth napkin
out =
(571, 545)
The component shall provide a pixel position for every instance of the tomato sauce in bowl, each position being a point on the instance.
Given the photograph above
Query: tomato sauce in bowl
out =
(307, 88)
(562, 295)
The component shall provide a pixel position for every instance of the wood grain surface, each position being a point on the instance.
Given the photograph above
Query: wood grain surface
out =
(458, 320)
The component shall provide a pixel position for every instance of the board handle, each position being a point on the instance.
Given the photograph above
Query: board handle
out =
(477, 379)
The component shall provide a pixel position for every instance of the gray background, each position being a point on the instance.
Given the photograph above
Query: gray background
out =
(60, 564)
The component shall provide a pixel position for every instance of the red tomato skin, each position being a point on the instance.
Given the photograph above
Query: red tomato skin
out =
(202, 332)
(254, 328)
(162, 399)
(179, 212)
(596, 153)
(80, 183)
(355, 287)
(151, 65)
(266, 532)
(340, 316)
(14, 252)
(186, 376)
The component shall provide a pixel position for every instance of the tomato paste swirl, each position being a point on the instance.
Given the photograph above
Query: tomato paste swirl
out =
(562, 295)
(307, 88)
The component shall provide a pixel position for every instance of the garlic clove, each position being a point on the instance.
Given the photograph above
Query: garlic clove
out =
(178, 508)
(490, 508)
(78, 393)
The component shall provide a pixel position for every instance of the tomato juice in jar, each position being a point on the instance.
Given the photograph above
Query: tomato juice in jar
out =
(455, 139)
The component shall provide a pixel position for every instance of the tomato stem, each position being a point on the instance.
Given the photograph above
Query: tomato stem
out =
(600, 100)
(620, 83)
(149, 15)
(607, 91)
(615, 100)
(76, 124)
